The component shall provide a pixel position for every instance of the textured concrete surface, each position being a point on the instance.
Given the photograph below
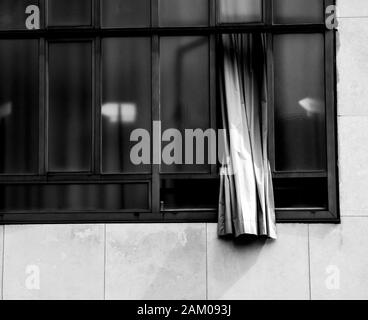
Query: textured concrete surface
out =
(353, 160)
(352, 8)
(352, 67)
(260, 270)
(54, 262)
(1, 259)
(156, 261)
(339, 260)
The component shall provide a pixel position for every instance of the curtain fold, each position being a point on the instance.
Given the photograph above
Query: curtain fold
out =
(246, 204)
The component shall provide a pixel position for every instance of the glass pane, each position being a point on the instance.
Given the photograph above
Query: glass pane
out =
(301, 193)
(126, 100)
(69, 12)
(240, 11)
(18, 106)
(300, 127)
(126, 13)
(189, 194)
(74, 197)
(70, 105)
(12, 13)
(184, 13)
(184, 94)
(298, 11)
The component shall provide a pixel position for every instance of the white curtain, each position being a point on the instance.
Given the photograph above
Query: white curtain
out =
(246, 204)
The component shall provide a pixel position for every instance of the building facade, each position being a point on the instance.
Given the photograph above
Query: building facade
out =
(188, 260)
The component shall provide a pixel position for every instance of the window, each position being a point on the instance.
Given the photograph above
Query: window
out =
(73, 93)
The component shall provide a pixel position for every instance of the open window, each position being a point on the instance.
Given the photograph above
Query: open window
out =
(72, 93)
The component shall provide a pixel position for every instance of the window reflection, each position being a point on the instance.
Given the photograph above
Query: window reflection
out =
(18, 106)
(74, 197)
(126, 100)
(126, 13)
(69, 12)
(298, 11)
(300, 138)
(70, 106)
(184, 13)
(184, 89)
(12, 14)
(240, 11)
(120, 112)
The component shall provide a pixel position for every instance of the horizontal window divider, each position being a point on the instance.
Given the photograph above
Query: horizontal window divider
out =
(5, 179)
(149, 217)
(75, 180)
(100, 178)
(189, 176)
(84, 212)
(306, 216)
(140, 176)
(94, 32)
(311, 174)
(113, 217)
(190, 210)
(311, 209)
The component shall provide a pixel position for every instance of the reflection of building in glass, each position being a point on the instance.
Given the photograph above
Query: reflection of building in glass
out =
(123, 112)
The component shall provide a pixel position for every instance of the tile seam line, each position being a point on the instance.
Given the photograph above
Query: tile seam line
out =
(3, 265)
(309, 265)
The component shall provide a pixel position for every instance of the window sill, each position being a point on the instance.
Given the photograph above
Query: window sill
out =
(169, 216)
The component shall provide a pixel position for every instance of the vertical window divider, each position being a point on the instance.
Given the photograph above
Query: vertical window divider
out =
(155, 105)
(331, 119)
(213, 76)
(96, 123)
(42, 6)
(156, 207)
(155, 13)
(46, 108)
(212, 93)
(268, 12)
(212, 13)
(271, 102)
(42, 103)
(96, 13)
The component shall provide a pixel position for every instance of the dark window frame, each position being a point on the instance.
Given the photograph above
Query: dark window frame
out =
(95, 34)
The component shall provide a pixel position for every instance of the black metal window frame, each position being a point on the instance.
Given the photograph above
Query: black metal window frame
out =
(95, 33)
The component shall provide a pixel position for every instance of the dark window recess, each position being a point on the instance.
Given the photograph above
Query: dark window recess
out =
(70, 106)
(74, 197)
(240, 11)
(189, 194)
(126, 100)
(12, 13)
(300, 110)
(184, 88)
(18, 106)
(125, 13)
(184, 13)
(63, 13)
(298, 11)
(301, 193)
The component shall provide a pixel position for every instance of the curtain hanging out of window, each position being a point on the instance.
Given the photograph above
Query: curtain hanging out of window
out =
(246, 204)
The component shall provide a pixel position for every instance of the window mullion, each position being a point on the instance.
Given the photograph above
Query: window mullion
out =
(154, 13)
(331, 121)
(268, 11)
(270, 98)
(97, 108)
(155, 117)
(212, 12)
(42, 104)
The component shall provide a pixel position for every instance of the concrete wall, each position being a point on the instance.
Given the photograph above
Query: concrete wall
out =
(187, 261)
